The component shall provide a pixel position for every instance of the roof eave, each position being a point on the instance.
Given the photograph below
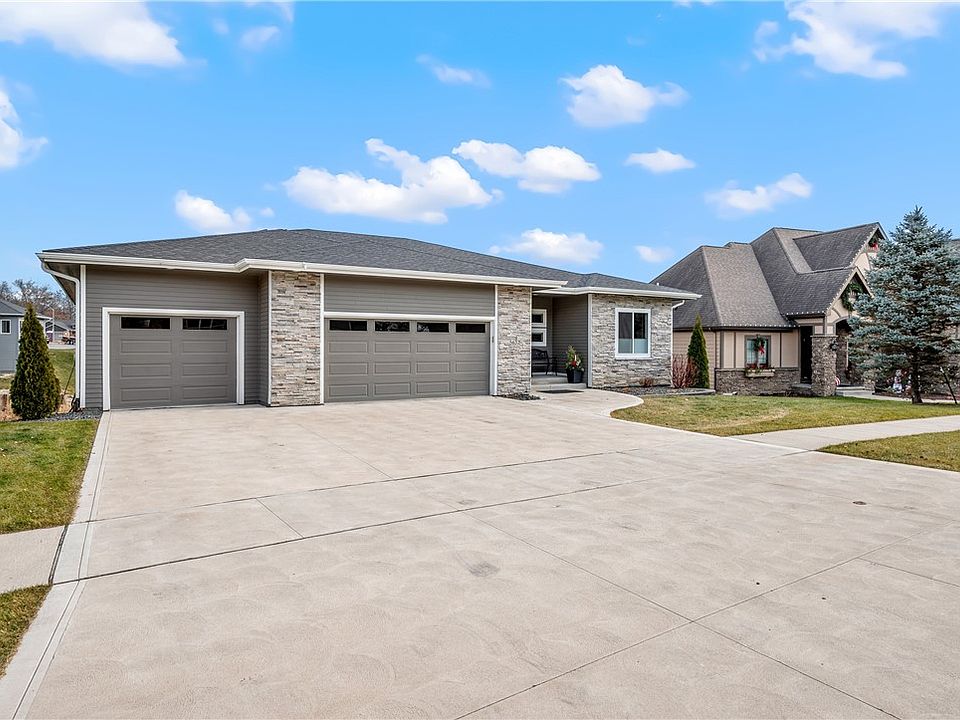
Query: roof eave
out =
(671, 294)
(291, 266)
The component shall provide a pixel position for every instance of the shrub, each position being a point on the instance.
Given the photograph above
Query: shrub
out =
(35, 390)
(697, 353)
(684, 372)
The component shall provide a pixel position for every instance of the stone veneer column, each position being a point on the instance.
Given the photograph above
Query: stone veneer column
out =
(823, 382)
(513, 339)
(296, 346)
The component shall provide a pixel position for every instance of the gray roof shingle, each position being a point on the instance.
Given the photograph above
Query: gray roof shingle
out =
(8, 308)
(783, 274)
(348, 249)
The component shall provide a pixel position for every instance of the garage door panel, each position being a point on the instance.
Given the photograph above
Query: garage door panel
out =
(170, 365)
(405, 363)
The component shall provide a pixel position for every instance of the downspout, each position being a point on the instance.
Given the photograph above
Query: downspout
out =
(78, 347)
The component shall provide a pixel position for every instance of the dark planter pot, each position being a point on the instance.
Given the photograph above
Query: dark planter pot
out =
(574, 376)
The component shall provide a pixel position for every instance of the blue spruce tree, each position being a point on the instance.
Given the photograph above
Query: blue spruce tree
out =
(909, 318)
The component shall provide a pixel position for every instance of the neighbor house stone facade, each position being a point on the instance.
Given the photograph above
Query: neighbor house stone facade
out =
(296, 338)
(823, 382)
(513, 339)
(606, 369)
(775, 381)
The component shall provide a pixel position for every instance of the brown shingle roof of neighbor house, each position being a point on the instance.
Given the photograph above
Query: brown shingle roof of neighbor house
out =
(783, 274)
(349, 250)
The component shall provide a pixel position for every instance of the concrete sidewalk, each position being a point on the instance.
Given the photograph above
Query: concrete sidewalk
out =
(816, 438)
(28, 557)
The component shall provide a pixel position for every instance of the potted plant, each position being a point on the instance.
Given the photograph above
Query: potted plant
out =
(574, 366)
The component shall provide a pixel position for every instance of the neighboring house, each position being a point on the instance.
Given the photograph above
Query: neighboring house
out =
(57, 331)
(776, 311)
(301, 317)
(10, 318)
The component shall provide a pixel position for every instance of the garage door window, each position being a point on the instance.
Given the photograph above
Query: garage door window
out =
(433, 327)
(144, 323)
(204, 323)
(349, 325)
(471, 328)
(391, 326)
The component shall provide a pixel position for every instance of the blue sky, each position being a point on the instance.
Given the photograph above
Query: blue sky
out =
(133, 121)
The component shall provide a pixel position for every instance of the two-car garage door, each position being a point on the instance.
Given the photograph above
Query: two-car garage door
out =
(391, 359)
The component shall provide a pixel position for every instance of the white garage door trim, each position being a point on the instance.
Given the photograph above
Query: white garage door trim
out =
(491, 319)
(105, 340)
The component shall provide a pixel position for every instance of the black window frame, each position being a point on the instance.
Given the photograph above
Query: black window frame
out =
(433, 327)
(391, 326)
(215, 324)
(468, 328)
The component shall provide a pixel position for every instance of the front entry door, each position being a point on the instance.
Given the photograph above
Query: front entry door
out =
(806, 354)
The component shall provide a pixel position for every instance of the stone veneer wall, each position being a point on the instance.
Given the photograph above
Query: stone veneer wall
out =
(296, 347)
(823, 382)
(513, 339)
(735, 380)
(607, 370)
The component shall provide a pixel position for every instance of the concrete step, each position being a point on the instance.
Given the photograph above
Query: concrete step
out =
(558, 387)
(853, 391)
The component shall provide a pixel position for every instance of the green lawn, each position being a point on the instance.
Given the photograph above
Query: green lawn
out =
(41, 466)
(935, 450)
(742, 414)
(17, 610)
(62, 364)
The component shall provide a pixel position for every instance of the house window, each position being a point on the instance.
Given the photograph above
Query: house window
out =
(391, 326)
(433, 327)
(204, 323)
(349, 325)
(633, 333)
(757, 351)
(5, 327)
(144, 323)
(471, 328)
(538, 327)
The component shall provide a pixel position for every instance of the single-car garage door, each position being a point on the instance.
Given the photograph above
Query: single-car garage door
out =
(159, 361)
(392, 359)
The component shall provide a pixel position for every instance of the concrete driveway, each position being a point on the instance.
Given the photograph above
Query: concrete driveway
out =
(490, 557)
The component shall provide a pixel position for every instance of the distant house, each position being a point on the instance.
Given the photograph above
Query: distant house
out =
(10, 318)
(776, 310)
(57, 331)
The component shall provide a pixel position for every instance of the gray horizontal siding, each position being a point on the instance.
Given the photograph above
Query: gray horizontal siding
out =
(345, 293)
(9, 345)
(108, 287)
(570, 326)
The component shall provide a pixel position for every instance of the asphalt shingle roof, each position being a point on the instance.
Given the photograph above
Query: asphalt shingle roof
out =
(8, 308)
(783, 274)
(348, 249)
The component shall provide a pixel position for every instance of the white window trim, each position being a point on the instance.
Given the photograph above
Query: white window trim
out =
(9, 324)
(616, 329)
(105, 340)
(538, 325)
(539, 329)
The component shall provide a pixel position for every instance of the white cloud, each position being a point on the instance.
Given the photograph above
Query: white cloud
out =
(267, 212)
(116, 33)
(15, 149)
(220, 26)
(426, 190)
(653, 254)
(449, 75)
(547, 169)
(207, 216)
(283, 7)
(550, 246)
(257, 38)
(604, 96)
(731, 200)
(846, 37)
(661, 161)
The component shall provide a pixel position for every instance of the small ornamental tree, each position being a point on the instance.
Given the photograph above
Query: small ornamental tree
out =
(697, 352)
(35, 390)
(914, 302)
